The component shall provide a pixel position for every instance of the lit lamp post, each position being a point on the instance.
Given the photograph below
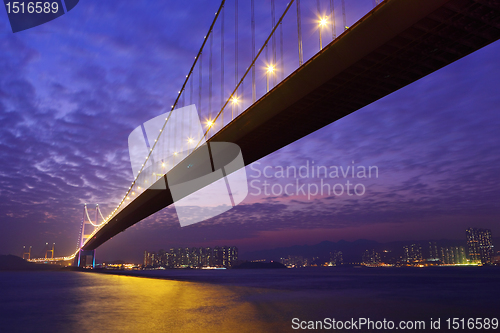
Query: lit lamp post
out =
(269, 71)
(322, 23)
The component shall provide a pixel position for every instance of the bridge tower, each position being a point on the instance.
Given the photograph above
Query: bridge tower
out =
(87, 258)
(26, 255)
(51, 251)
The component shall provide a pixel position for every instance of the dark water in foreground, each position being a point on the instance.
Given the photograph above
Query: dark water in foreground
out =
(241, 300)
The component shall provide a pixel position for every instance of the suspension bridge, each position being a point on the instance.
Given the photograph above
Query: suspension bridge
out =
(268, 74)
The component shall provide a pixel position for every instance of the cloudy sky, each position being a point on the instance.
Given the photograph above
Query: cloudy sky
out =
(73, 89)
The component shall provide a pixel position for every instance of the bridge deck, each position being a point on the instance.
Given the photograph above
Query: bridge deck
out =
(394, 45)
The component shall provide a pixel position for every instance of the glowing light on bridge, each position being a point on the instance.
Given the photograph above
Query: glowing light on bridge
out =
(269, 71)
(209, 123)
(323, 21)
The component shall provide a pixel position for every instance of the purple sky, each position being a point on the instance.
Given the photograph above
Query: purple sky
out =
(73, 89)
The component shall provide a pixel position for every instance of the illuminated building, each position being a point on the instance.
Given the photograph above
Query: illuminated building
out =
(454, 255)
(294, 261)
(192, 257)
(206, 259)
(371, 258)
(217, 257)
(433, 250)
(412, 254)
(149, 259)
(479, 245)
(336, 258)
(232, 255)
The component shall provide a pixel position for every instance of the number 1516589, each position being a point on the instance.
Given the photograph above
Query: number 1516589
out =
(21, 7)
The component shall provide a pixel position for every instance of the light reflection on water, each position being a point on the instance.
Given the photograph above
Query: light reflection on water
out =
(239, 300)
(85, 302)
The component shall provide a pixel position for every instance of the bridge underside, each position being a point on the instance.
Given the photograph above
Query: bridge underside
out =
(394, 45)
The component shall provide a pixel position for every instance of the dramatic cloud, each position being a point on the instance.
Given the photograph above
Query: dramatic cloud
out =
(73, 89)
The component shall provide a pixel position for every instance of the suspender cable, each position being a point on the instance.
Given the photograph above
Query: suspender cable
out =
(320, 26)
(343, 15)
(253, 62)
(200, 83)
(222, 65)
(273, 19)
(210, 78)
(176, 100)
(235, 105)
(191, 92)
(253, 50)
(299, 32)
(199, 52)
(281, 52)
(96, 216)
(332, 11)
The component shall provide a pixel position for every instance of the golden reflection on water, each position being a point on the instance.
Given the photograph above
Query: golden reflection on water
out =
(132, 304)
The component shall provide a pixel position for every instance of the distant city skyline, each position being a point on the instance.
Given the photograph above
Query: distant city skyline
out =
(183, 257)
(467, 251)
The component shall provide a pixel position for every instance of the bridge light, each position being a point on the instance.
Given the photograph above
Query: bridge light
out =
(175, 153)
(209, 123)
(190, 140)
(321, 23)
(269, 71)
(234, 99)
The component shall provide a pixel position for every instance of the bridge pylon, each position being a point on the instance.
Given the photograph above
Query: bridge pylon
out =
(86, 258)
(48, 250)
(26, 253)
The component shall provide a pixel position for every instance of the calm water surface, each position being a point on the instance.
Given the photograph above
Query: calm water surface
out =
(239, 300)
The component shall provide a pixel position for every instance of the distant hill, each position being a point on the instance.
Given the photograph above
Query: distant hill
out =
(351, 250)
(14, 263)
(257, 265)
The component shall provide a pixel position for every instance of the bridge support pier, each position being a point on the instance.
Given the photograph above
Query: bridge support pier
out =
(86, 259)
